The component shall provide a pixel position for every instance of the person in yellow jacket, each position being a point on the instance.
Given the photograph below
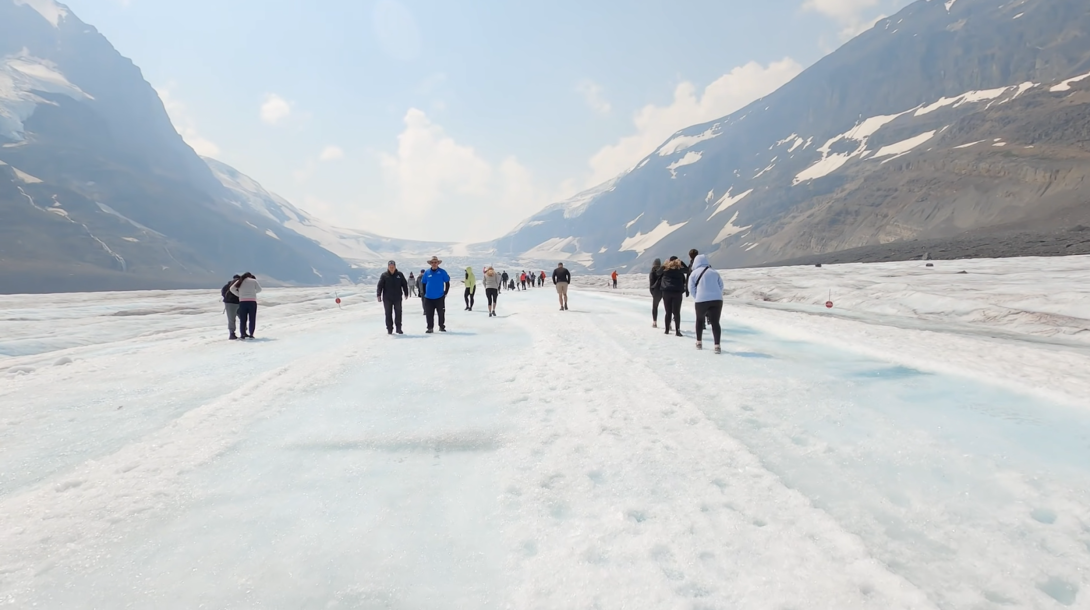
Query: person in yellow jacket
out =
(471, 288)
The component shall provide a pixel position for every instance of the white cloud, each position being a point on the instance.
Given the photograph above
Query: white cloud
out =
(655, 124)
(853, 16)
(844, 11)
(275, 109)
(592, 94)
(445, 189)
(331, 153)
(185, 125)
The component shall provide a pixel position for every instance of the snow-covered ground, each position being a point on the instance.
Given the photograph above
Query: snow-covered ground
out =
(542, 459)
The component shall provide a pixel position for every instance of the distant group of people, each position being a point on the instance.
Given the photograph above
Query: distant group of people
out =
(671, 282)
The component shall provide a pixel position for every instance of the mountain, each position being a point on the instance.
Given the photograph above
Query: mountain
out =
(97, 189)
(963, 117)
(362, 249)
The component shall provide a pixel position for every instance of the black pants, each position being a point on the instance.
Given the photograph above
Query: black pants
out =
(433, 307)
(393, 314)
(656, 298)
(493, 295)
(247, 317)
(671, 302)
(471, 295)
(712, 311)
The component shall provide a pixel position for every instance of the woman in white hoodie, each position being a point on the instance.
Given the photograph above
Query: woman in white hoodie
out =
(246, 289)
(707, 289)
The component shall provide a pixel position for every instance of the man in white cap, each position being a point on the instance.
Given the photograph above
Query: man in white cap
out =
(435, 283)
(392, 287)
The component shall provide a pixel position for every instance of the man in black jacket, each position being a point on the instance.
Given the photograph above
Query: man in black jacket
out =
(562, 279)
(392, 288)
(230, 306)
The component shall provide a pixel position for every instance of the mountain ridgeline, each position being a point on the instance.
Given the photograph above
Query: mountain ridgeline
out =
(951, 118)
(97, 189)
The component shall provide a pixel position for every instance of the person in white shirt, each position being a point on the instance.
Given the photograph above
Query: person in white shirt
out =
(246, 289)
(706, 286)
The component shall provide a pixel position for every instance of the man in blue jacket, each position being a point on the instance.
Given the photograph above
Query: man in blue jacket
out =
(435, 283)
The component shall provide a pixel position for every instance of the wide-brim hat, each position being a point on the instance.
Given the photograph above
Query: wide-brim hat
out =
(435, 260)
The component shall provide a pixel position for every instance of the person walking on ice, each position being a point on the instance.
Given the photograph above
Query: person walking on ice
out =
(412, 284)
(230, 307)
(471, 288)
(392, 286)
(562, 279)
(655, 279)
(491, 283)
(246, 289)
(674, 287)
(706, 286)
(435, 284)
(614, 276)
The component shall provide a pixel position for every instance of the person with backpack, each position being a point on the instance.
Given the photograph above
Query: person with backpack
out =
(230, 307)
(436, 284)
(706, 286)
(392, 286)
(562, 279)
(655, 279)
(674, 287)
(471, 288)
(246, 289)
(614, 276)
(491, 283)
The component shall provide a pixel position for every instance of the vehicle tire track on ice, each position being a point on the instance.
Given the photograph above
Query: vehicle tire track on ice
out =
(623, 494)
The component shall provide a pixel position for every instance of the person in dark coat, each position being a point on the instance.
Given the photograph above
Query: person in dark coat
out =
(675, 287)
(655, 279)
(230, 306)
(392, 288)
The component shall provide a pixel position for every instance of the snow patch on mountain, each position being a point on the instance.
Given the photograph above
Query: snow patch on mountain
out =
(730, 229)
(971, 97)
(682, 142)
(25, 178)
(689, 158)
(641, 242)
(728, 200)
(1066, 85)
(904, 146)
(48, 9)
(22, 76)
(559, 249)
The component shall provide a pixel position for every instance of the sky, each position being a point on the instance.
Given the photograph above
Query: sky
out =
(455, 121)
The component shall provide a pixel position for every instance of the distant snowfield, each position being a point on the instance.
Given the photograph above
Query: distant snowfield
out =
(895, 453)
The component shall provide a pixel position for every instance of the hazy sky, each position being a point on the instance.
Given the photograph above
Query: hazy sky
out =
(454, 121)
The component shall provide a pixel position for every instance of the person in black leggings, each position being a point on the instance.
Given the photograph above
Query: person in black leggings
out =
(656, 291)
(674, 290)
(706, 286)
(491, 283)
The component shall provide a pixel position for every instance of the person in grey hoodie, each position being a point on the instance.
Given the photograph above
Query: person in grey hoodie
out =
(706, 286)
(230, 307)
(246, 289)
(491, 281)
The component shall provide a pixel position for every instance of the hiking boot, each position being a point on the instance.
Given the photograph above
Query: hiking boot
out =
(678, 333)
(699, 345)
(667, 331)
(429, 331)
(654, 325)
(718, 349)
(399, 332)
(233, 337)
(442, 329)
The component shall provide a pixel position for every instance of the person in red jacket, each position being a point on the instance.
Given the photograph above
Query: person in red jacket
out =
(614, 279)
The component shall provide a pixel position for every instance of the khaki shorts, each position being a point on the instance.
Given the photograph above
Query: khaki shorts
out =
(562, 289)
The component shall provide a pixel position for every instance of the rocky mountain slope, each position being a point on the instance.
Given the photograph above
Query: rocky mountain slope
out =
(97, 189)
(949, 117)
